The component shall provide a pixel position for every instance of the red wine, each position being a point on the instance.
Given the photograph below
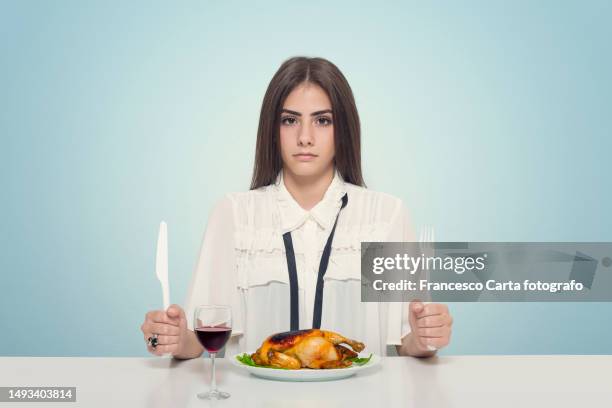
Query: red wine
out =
(213, 338)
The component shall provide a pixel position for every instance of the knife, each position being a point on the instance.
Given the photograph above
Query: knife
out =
(161, 262)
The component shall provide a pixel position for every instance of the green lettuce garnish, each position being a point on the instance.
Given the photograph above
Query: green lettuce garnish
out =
(361, 361)
(247, 360)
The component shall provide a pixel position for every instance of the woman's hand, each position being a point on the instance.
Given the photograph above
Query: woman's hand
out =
(430, 328)
(171, 329)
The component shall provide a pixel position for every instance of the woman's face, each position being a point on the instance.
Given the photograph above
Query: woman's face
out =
(307, 131)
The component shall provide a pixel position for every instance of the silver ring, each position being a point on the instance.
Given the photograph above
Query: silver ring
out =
(152, 341)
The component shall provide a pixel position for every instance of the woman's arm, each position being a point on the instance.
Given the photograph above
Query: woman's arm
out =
(215, 278)
(420, 326)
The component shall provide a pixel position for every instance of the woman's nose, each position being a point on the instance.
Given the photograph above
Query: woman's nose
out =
(305, 136)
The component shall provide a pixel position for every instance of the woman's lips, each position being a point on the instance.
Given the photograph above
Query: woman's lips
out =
(305, 157)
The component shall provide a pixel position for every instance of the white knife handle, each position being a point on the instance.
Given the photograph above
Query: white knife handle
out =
(166, 292)
(161, 262)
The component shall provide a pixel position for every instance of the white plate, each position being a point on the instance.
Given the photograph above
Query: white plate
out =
(304, 374)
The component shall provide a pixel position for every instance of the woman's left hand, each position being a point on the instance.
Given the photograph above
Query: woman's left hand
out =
(431, 328)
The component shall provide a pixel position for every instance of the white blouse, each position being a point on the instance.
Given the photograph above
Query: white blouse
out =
(242, 263)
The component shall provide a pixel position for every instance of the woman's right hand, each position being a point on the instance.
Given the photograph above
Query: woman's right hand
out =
(171, 329)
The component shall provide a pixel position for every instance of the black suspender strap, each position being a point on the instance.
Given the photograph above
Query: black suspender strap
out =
(318, 306)
(293, 280)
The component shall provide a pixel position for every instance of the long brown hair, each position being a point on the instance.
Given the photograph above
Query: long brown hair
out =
(347, 130)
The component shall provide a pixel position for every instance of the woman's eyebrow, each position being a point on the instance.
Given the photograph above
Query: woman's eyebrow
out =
(320, 112)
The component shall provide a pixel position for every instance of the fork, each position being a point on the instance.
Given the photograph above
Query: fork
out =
(426, 240)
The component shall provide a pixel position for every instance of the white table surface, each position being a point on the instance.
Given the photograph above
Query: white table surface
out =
(459, 381)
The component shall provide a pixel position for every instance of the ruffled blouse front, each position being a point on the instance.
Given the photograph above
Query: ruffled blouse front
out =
(242, 263)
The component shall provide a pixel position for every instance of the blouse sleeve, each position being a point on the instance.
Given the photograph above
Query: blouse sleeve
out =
(401, 230)
(215, 279)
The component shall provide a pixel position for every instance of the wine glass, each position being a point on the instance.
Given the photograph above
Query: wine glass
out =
(213, 327)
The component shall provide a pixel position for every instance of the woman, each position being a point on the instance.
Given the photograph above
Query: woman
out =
(264, 250)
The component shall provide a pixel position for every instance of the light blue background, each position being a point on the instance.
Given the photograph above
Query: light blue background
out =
(491, 119)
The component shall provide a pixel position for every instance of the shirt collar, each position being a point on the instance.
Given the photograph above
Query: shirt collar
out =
(292, 215)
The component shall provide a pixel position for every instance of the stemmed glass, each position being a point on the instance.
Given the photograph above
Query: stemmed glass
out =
(213, 327)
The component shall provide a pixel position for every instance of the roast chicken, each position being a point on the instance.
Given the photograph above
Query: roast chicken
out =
(311, 348)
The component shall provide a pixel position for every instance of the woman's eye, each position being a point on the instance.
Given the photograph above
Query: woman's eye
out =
(288, 120)
(324, 121)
